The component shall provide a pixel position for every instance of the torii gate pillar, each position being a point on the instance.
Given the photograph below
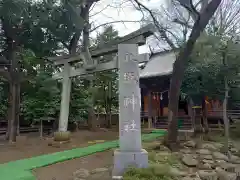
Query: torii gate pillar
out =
(63, 134)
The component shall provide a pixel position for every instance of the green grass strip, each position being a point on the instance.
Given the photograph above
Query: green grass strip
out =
(20, 169)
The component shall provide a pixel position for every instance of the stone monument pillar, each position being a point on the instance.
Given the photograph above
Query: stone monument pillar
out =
(63, 134)
(130, 152)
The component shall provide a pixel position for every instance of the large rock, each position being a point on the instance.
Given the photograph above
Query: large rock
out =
(207, 174)
(203, 152)
(81, 174)
(220, 156)
(189, 160)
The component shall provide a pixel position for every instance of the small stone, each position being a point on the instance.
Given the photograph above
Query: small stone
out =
(207, 174)
(203, 151)
(177, 155)
(164, 148)
(234, 150)
(209, 146)
(81, 173)
(233, 157)
(218, 145)
(220, 161)
(163, 153)
(190, 144)
(223, 175)
(227, 167)
(237, 171)
(177, 172)
(220, 156)
(189, 160)
(207, 157)
(117, 178)
(99, 170)
(191, 177)
(207, 166)
(208, 161)
(203, 166)
(186, 151)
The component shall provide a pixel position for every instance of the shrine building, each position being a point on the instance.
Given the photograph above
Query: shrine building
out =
(155, 79)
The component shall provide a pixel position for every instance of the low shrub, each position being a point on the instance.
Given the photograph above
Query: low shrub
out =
(153, 172)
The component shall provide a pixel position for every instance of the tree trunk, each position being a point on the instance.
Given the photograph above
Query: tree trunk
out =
(41, 128)
(110, 117)
(91, 115)
(9, 118)
(18, 99)
(14, 92)
(13, 123)
(179, 68)
(92, 120)
(176, 81)
(225, 118)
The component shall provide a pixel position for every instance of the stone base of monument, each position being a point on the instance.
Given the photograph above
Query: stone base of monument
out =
(62, 136)
(123, 160)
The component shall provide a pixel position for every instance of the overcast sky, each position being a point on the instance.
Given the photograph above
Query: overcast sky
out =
(121, 10)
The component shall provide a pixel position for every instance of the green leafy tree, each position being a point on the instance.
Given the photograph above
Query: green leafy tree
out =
(205, 72)
(213, 69)
(106, 82)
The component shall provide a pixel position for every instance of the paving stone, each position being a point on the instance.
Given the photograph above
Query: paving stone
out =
(189, 160)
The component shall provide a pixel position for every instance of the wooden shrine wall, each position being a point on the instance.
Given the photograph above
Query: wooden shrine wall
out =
(159, 107)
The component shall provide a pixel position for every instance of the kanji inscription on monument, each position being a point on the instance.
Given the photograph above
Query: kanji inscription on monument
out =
(129, 102)
(130, 146)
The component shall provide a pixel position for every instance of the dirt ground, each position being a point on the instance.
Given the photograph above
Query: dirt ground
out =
(30, 145)
(65, 170)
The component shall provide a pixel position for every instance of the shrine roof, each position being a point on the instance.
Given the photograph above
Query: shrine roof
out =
(159, 64)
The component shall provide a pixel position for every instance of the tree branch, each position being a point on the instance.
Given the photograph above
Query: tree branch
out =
(112, 22)
(84, 13)
(185, 24)
(159, 27)
(188, 4)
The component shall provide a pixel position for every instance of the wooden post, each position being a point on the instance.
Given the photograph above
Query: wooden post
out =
(191, 112)
(149, 109)
(41, 128)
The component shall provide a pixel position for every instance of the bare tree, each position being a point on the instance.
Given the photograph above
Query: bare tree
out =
(201, 19)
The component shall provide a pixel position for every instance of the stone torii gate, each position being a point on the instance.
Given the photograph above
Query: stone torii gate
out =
(127, 60)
